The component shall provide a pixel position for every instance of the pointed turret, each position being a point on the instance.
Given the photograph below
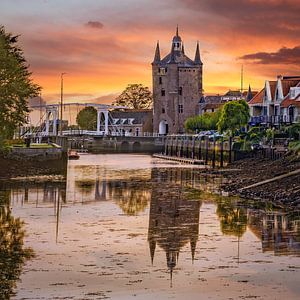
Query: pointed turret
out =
(249, 94)
(177, 30)
(157, 54)
(197, 60)
(182, 48)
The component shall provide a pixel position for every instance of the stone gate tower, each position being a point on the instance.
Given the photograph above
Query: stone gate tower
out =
(177, 87)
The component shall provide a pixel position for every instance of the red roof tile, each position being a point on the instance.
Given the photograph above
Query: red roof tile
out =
(287, 84)
(258, 98)
(288, 102)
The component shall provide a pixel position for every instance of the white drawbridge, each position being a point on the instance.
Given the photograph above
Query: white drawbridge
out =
(48, 123)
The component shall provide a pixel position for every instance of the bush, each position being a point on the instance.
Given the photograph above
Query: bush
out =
(207, 121)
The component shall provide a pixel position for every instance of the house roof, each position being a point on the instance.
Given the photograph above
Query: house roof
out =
(211, 105)
(180, 59)
(140, 116)
(258, 98)
(291, 102)
(286, 85)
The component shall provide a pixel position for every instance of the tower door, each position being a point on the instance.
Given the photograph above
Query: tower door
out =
(163, 127)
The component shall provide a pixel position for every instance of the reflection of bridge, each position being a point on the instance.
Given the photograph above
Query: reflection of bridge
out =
(51, 117)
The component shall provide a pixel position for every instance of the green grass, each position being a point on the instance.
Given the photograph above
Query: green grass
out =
(34, 146)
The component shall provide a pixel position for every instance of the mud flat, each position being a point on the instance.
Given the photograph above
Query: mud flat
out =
(12, 168)
(284, 192)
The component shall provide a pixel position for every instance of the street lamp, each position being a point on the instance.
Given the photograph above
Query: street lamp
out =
(61, 100)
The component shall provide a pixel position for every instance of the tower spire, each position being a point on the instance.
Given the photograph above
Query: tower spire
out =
(177, 30)
(197, 55)
(157, 54)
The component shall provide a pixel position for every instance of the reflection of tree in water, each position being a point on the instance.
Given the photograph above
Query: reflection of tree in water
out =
(132, 197)
(13, 254)
(173, 220)
(86, 185)
(233, 219)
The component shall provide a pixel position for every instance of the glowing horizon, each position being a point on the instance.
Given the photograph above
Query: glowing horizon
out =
(103, 46)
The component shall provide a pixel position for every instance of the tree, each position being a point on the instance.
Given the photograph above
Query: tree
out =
(234, 115)
(16, 85)
(207, 121)
(135, 96)
(87, 118)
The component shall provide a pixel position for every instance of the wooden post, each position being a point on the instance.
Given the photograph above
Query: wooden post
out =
(230, 150)
(187, 147)
(222, 153)
(206, 149)
(200, 148)
(214, 154)
(193, 148)
(166, 146)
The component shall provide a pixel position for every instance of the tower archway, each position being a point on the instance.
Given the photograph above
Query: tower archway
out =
(163, 127)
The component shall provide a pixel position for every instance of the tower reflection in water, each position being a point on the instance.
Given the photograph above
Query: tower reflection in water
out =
(173, 219)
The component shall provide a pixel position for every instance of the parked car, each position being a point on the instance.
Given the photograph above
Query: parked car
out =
(256, 147)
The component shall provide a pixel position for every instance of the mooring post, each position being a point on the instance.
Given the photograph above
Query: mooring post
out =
(206, 149)
(193, 147)
(214, 153)
(166, 146)
(221, 153)
(230, 150)
(200, 148)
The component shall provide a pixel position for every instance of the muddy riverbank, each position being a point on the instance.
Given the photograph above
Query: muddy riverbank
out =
(12, 168)
(283, 192)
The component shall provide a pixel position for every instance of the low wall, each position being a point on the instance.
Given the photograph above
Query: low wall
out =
(126, 144)
(36, 153)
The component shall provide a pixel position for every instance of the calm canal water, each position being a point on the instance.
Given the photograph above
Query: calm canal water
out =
(134, 227)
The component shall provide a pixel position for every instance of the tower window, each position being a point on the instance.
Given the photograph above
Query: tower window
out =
(163, 110)
(162, 71)
(160, 80)
(180, 108)
(180, 91)
(163, 92)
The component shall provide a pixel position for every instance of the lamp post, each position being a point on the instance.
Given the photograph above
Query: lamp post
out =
(61, 100)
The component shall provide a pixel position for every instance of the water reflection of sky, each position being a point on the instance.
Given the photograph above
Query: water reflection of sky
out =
(122, 226)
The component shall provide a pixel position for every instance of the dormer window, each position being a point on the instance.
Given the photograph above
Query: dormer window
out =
(162, 71)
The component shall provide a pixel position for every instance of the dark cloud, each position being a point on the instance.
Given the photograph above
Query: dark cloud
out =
(269, 17)
(94, 24)
(282, 56)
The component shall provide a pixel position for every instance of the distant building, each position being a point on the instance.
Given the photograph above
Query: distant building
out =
(177, 87)
(131, 122)
(278, 102)
(210, 104)
(214, 102)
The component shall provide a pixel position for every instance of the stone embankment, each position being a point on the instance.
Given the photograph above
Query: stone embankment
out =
(247, 173)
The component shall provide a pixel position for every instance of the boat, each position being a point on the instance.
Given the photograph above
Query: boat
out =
(72, 154)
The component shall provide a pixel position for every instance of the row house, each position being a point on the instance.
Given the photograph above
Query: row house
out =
(277, 103)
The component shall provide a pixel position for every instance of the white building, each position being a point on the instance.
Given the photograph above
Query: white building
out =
(278, 102)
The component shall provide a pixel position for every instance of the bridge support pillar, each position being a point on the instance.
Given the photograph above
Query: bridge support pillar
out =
(47, 123)
(99, 117)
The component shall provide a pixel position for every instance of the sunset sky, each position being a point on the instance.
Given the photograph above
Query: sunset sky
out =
(104, 45)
